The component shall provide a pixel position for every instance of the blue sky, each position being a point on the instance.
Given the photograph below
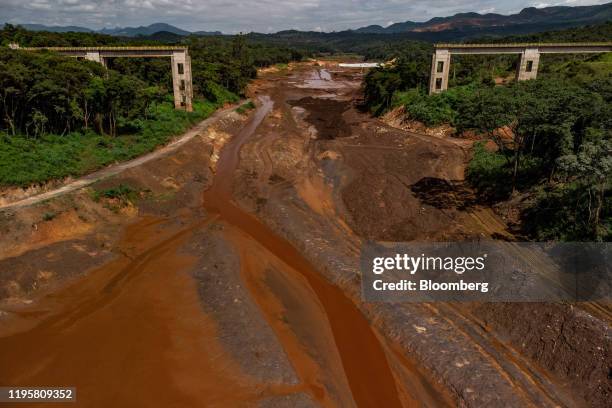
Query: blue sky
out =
(231, 16)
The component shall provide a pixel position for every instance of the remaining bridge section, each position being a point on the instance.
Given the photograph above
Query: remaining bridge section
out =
(529, 54)
(179, 58)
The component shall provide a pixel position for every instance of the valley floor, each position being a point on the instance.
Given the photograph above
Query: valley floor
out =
(230, 274)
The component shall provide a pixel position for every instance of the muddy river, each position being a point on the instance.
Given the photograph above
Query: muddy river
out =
(237, 284)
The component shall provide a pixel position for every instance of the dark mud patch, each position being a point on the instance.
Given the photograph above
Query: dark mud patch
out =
(569, 343)
(44, 266)
(443, 194)
(326, 116)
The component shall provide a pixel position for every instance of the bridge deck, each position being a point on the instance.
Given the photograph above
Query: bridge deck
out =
(114, 52)
(529, 57)
(111, 48)
(517, 48)
(530, 45)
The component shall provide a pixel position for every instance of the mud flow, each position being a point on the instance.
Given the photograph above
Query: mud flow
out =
(357, 345)
(233, 280)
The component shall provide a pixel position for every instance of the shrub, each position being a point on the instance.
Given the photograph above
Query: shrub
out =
(245, 107)
(489, 173)
(48, 216)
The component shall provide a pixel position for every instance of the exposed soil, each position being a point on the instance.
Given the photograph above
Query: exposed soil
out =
(232, 279)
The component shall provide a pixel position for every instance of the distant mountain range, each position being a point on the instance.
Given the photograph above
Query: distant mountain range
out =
(121, 31)
(548, 16)
(459, 26)
(56, 29)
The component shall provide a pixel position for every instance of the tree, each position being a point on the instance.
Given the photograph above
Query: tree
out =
(592, 169)
(380, 85)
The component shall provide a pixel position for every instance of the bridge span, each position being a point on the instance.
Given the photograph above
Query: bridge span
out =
(179, 59)
(529, 54)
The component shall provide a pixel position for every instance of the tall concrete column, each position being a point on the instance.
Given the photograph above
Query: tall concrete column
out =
(440, 67)
(181, 80)
(188, 84)
(93, 56)
(528, 64)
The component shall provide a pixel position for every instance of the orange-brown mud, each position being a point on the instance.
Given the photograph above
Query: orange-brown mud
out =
(234, 280)
(131, 334)
(351, 332)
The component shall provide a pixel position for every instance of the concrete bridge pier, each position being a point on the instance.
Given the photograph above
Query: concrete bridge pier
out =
(528, 64)
(181, 80)
(96, 57)
(440, 67)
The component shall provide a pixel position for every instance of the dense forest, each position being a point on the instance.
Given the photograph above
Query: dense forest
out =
(60, 116)
(554, 159)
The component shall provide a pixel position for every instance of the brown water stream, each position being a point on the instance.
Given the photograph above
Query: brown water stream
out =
(364, 360)
(131, 333)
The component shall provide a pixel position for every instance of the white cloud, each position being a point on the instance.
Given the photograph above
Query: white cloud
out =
(39, 5)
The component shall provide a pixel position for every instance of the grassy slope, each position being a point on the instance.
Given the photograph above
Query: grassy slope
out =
(25, 161)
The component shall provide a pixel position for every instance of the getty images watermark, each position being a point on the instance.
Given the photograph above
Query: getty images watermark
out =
(487, 271)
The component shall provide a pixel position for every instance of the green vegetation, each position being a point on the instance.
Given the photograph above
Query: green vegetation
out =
(19, 35)
(26, 160)
(245, 107)
(558, 144)
(122, 192)
(118, 197)
(553, 134)
(488, 173)
(63, 117)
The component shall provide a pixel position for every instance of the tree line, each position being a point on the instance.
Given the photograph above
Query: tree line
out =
(45, 93)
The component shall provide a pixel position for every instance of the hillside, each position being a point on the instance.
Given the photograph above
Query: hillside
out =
(530, 19)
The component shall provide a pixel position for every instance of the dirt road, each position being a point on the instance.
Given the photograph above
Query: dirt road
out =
(35, 197)
(232, 278)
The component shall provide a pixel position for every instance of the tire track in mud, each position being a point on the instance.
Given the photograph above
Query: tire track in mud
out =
(533, 386)
(365, 364)
(533, 380)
